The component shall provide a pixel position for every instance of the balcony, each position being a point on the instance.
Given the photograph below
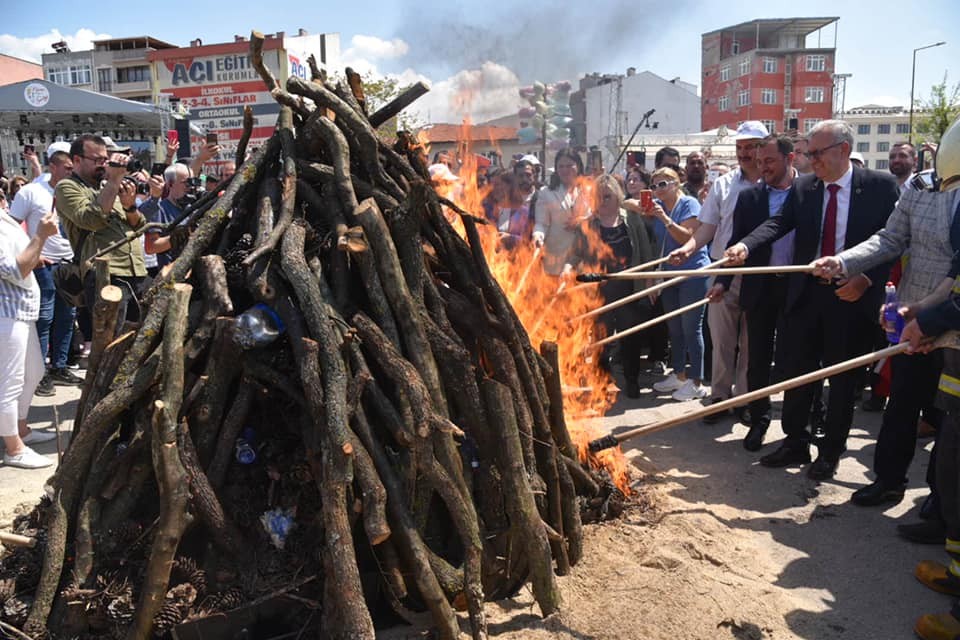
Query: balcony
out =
(121, 89)
(125, 56)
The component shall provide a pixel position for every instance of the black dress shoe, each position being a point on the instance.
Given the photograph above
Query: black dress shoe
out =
(754, 439)
(786, 455)
(823, 468)
(877, 493)
(926, 532)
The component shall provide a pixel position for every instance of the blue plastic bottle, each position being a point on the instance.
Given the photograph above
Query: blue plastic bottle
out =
(245, 451)
(892, 320)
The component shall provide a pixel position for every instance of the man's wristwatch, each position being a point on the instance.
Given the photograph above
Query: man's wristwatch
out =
(130, 209)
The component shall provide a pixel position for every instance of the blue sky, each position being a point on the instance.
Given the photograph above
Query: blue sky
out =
(492, 47)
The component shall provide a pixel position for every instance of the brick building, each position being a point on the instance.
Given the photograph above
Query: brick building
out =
(765, 70)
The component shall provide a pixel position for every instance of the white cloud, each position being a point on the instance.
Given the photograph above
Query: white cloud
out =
(364, 52)
(481, 94)
(30, 48)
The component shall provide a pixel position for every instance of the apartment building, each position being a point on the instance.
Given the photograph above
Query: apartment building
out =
(779, 71)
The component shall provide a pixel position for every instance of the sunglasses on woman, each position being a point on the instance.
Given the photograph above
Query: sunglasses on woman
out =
(663, 184)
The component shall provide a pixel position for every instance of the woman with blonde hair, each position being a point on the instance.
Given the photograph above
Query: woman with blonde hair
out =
(612, 240)
(675, 219)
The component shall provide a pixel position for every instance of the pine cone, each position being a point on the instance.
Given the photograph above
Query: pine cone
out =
(169, 616)
(185, 570)
(16, 609)
(227, 600)
(183, 594)
(120, 610)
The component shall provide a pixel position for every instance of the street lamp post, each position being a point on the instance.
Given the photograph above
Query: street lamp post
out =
(913, 78)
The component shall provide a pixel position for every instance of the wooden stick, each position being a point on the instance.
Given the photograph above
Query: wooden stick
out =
(398, 104)
(728, 271)
(645, 292)
(56, 429)
(14, 540)
(648, 324)
(639, 267)
(948, 340)
(526, 272)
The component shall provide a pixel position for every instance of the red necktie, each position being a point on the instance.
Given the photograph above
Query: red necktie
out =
(828, 245)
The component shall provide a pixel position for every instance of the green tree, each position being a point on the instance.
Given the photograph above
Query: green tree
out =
(381, 90)
(937, 112)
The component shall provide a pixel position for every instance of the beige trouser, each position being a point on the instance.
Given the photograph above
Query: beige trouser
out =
(728, 327)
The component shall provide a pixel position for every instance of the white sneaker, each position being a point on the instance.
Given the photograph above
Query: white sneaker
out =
(689, 391)
(27, 459)
(36, 437)
(668, 384)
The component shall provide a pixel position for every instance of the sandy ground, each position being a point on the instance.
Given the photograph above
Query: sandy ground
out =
(728, 550)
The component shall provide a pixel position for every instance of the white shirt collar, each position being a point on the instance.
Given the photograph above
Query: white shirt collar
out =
(845, 180)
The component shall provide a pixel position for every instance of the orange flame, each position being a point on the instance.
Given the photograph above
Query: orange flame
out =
(544, 304)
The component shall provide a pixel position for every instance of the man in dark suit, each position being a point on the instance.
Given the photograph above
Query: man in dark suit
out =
(762, 297)
(838, 206)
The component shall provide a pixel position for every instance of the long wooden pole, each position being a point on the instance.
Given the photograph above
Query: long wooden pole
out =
(648, 324)
(648, 291)
(613, 440)
(526, 272)
(728, 271)
(639, 267)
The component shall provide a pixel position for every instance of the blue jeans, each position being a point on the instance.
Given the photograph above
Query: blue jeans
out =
(686, 330)
(55, 323)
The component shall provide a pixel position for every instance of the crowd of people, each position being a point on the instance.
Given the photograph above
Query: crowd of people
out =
(87, 199)
(789, 201)
(800, 200)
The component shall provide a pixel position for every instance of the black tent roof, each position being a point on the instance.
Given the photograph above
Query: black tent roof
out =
(39, 105)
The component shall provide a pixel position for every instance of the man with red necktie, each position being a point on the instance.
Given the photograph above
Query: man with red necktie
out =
(836, 207)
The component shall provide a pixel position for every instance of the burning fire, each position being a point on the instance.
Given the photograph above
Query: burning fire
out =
(544, 304)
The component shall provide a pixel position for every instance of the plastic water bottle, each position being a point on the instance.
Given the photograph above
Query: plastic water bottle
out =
(892, 320)
(258, 326)
(245, 453)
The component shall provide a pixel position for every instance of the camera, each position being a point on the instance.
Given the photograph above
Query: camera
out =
(143, 188)
(134, 165)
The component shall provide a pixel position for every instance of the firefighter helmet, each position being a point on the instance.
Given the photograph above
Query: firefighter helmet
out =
(948, 158)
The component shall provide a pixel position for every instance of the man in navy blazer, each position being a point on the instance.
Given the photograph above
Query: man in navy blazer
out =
(836, 207)
(762, 297)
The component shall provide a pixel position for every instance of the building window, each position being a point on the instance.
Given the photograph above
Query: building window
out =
(724, 73)
(810, 123)
(769, 65)
(771, 125)
(81, 74)
(744, 67)
(863, 147)
(105, 80)
(883, 164)
(133, 74)
(59, 76)
(768, 96)
(903, 128)
(70, 75)
(863, 129)
(735, 47)
(743, 98)
(883, 129)
(883, 146)
(816, 63)
(723, 103)
(813, 94)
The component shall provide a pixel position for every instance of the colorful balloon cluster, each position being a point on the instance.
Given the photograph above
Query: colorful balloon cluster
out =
(549, 112)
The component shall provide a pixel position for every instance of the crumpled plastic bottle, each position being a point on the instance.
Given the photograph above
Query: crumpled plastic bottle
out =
(257, 326)
(244, 449)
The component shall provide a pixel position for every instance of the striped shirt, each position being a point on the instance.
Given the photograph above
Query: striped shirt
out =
(19, 296)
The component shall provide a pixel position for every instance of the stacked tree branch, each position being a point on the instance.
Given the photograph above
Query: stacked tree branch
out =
(410, 453)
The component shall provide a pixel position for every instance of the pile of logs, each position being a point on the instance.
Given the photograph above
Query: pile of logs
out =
(411, 455)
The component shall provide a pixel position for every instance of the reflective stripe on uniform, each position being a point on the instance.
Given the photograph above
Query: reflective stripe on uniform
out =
(950, 385)
(956, 285)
